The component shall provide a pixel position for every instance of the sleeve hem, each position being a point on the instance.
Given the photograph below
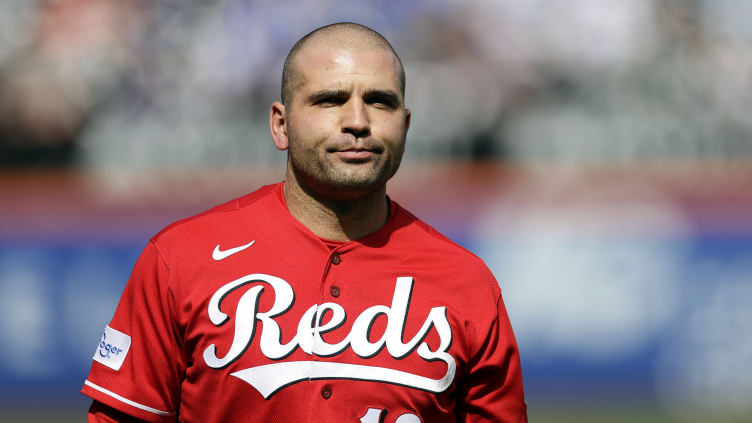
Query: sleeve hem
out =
(126, 405)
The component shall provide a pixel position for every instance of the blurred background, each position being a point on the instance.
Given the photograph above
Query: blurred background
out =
(597, 154)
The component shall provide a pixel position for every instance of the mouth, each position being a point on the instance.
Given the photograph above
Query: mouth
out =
(355, 153)
(360, 151)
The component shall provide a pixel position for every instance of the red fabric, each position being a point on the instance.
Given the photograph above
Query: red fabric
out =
(101, 413)
(166, 309)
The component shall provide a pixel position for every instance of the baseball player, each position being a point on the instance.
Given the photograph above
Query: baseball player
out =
(318, 299)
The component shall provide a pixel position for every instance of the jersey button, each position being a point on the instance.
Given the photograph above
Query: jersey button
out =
(326, 392)
(334, 291)
(336, 259)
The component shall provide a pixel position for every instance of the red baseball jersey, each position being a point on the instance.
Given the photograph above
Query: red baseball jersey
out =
(243, 314)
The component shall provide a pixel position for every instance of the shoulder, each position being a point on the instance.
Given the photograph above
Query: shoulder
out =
(429, 245)
(449, 273)
(213, 220)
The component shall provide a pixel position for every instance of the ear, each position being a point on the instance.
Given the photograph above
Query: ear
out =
(277, 124)
(408, 115)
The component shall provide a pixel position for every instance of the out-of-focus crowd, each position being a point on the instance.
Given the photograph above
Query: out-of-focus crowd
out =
(137, 84)
(627, 278)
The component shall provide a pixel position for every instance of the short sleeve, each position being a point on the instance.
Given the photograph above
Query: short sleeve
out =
(492, 389)
(138, 364)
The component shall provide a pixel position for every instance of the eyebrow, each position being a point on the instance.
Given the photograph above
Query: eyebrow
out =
(387, 96)
(325, 95)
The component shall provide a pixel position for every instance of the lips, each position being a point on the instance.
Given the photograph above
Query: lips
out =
(360, 148)
(355, 153)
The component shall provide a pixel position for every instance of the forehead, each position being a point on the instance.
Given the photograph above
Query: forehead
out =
(321, 65)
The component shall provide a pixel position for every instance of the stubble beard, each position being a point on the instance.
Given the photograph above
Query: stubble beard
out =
(323, 171)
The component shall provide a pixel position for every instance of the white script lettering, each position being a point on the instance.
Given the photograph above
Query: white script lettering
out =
(268, 379)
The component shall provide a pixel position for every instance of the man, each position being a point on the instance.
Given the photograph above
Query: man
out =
(319, 298)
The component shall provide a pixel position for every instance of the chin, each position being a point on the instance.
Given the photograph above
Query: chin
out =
(356, 184)
(359, 179)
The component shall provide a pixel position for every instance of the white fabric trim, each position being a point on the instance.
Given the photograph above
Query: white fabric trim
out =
(129, 402)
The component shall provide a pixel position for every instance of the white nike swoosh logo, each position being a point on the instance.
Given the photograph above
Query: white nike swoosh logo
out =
(218, 254)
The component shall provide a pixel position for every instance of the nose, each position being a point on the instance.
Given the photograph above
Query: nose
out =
(355, 118)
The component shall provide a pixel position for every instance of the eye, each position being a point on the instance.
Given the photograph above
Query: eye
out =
(329, 98)
(381, 101)
(381, 104)
(327, 102)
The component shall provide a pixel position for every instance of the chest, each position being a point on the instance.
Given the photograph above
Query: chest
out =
(274, 327)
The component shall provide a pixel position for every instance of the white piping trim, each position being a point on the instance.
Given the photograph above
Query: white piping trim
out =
(129, 402)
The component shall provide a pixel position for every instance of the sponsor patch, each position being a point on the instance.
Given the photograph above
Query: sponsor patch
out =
(112, 348)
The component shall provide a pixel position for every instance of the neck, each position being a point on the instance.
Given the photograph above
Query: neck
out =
(337, 219)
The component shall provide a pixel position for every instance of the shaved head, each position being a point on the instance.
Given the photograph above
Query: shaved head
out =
(338, 35)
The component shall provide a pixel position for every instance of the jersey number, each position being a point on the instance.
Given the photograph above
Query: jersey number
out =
(374, 415)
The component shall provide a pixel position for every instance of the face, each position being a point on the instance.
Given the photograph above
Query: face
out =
(346, 122)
